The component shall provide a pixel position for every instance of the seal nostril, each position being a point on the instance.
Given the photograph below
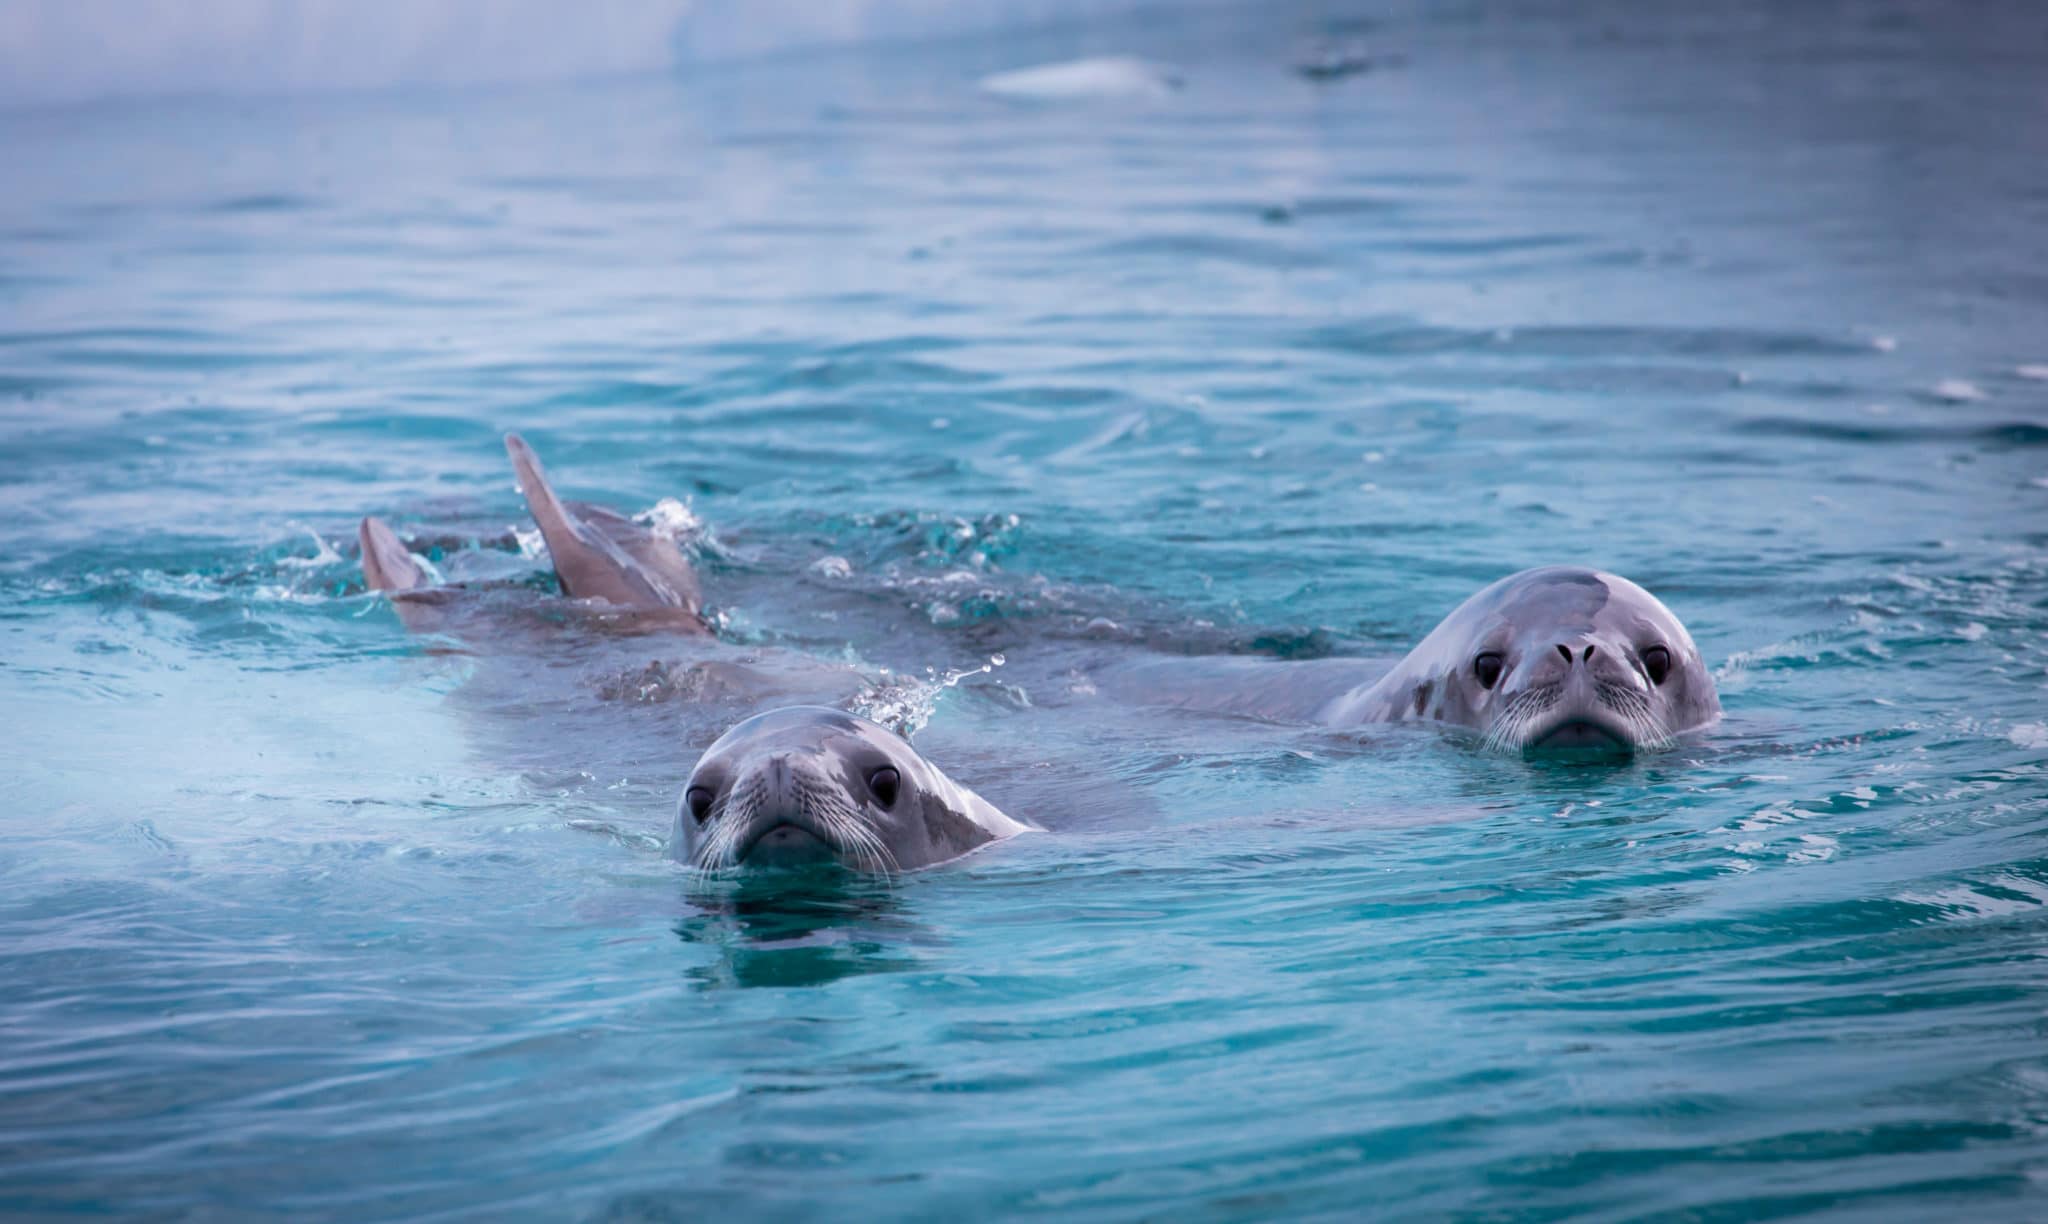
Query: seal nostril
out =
(1565, 650)
(1588, 656)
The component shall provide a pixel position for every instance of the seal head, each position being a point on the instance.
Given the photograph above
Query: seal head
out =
(1558, 658)
(812, 785)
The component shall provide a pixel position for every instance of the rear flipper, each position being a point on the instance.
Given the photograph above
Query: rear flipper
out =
(388, 566)
(602, 555)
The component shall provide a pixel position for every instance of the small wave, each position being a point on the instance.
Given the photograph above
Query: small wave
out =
(261, 203)
(1286, 211)
(111, 335)
(1397, 336)
(2004, 434)
(1249, 252)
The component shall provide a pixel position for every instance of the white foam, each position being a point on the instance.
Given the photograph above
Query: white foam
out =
(532, 545)
(1957, 391)
(1813, 848)
(671, 519)
(323, 554)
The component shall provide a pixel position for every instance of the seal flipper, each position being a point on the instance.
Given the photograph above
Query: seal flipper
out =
(390, 567)
(602, 555)
(387, 565)
(655, 554)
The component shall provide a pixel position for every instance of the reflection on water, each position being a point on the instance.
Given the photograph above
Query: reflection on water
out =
(799, 928)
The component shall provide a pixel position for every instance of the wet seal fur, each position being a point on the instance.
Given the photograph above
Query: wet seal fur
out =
(1574, 660)
(809, 785)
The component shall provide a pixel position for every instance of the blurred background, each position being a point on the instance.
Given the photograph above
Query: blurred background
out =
(58, 52)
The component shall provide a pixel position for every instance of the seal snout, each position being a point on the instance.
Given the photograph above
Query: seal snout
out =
(786, 845)
(1580, 695)
(1583, 735)
(781, 827)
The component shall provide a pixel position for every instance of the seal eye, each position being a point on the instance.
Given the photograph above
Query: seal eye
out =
(699, 798)
(884, 782)
(1486, 668)
(1657, 662)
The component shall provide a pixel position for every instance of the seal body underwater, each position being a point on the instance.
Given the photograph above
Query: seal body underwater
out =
(1554, 658)
(797, 785)
(810, 785)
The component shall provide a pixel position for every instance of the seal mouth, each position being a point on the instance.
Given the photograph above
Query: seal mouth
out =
(1582, 736)
(784, 843)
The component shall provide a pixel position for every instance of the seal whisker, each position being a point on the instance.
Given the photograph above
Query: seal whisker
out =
(880, 856)
(867, 849)
(729, 819)
(1637, 712)
(836, 818)
(1509, 728)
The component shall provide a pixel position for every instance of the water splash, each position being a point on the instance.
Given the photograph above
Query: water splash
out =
(905, 703)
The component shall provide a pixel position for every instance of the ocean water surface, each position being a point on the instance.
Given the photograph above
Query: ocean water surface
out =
(305, 916)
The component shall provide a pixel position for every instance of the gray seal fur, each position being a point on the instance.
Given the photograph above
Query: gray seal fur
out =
(601, 557)
(1573, 647)
(599, 554)
(797, 786)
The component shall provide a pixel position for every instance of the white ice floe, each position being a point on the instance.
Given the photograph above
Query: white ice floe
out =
(1957, 391)
(1101, 77)
(2029, 735)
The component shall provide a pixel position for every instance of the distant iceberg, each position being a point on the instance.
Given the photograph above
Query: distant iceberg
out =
(60, 51)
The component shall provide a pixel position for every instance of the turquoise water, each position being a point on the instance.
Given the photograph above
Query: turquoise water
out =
(301, 916)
